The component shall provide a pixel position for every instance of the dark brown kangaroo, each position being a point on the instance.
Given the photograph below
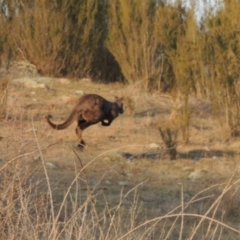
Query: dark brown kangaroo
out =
(91, 109)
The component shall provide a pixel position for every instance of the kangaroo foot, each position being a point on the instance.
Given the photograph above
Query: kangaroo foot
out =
(81, 145)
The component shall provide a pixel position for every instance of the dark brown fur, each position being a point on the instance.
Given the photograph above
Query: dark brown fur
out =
(91, 109)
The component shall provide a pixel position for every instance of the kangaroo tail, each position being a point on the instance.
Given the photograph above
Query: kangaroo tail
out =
(67, 123)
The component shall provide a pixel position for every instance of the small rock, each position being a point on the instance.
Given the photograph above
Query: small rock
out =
(186, 169)
(37, 158)
(153, 146)
(79, 92)
(186, 196)
(19, 69)
(123, 184)
(64, 81)
(86, 79)
(196, 175)
(29, 83)
(108, 182)
(65, 99)
(51, 165)
(107, 159)
(31, 130)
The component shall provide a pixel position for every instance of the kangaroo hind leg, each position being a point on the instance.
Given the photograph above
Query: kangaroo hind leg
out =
(81, 126)
(81, 144)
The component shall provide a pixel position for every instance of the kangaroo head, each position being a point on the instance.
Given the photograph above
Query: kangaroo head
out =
(119, 104)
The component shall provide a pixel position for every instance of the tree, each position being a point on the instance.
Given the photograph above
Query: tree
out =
(57, 36)
(222, 60)
(133, 42)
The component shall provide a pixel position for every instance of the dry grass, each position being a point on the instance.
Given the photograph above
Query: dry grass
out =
(3, 96)
(33, 206)
(119, 187)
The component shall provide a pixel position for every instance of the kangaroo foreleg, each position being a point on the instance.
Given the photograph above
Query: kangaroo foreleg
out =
(106, 123)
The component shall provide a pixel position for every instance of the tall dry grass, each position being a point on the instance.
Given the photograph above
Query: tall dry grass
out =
(31, 208)
(3, 96)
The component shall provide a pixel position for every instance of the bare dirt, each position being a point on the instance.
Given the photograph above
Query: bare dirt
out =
(120, 157)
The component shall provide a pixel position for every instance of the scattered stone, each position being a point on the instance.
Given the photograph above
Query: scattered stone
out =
(92, 181)
(30, 83)
(108, 182)
(64, 81)
(37, 158)
(79, 92)
(31, 130)
(196, 174)
(153, 146)
(65, 99)
(129, 174)
(20, 69)
(107, 159)
(123, 184)
(51, 165)
(186, 196)
(187, 169)
(86, 80)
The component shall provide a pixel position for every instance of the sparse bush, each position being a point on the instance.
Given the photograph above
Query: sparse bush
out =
(169, 137)
(58, 37)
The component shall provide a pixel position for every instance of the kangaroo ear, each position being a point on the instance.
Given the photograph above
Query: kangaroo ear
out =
(119, 99)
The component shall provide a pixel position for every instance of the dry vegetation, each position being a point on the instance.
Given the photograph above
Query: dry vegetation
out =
(120, 187)
(182, 104)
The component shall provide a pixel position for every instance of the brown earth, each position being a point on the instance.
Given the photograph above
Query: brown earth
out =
(120, 158)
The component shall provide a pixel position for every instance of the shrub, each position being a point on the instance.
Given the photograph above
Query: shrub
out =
(58, 37)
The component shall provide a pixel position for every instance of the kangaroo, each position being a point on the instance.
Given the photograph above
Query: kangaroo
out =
(91, 109)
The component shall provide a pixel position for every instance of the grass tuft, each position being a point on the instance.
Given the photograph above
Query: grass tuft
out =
(3, 96)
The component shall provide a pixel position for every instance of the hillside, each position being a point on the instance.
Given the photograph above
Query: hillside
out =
(124, 177)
